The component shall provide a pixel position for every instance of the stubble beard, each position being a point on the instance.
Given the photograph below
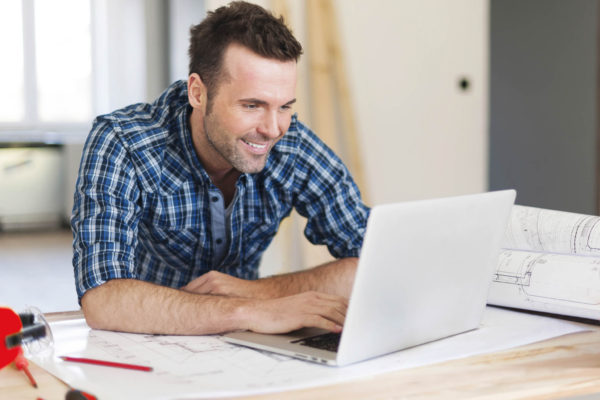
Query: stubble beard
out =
(249, 164)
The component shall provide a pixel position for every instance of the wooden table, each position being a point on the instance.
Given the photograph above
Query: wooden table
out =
(557, 368)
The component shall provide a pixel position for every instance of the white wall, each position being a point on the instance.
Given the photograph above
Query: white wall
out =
(421, 136)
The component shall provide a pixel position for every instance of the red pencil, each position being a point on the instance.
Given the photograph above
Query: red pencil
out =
(107, 363)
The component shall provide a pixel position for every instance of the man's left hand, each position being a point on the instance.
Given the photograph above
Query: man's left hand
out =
(218, 283)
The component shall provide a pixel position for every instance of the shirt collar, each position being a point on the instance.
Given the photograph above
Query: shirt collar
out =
(185, 135)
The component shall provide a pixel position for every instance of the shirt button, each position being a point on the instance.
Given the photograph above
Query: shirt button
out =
(219, 241)
(215, 199)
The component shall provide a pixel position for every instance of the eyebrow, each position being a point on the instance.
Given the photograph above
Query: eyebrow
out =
(262, 102)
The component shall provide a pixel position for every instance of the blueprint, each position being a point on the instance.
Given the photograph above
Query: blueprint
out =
(547, 282)
(552, 231)
(207, 367)
(550, 263)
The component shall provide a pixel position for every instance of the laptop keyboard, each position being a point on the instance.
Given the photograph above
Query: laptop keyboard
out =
(327, 341)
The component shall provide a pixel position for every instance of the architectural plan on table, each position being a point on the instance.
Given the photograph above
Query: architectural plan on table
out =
(207, 367)
(550, 263)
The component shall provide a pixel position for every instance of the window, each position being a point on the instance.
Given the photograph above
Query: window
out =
(63, 60)
(12, 103)
(48, 80)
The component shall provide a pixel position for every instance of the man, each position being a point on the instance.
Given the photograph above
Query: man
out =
(177, 200)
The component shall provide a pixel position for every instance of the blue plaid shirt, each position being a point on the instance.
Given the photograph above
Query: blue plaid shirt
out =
(141, 207)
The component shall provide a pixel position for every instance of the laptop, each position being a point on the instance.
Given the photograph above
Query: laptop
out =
(423, 274)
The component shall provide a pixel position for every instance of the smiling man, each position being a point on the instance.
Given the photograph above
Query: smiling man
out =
(177, 200)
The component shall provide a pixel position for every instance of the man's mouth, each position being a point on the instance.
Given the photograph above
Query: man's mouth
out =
(255, 145)
(256, 148)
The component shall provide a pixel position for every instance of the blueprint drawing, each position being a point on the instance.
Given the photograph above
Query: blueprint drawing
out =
(550, 263)
(552, 231)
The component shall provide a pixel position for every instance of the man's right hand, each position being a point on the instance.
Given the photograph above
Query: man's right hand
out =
(285, 314)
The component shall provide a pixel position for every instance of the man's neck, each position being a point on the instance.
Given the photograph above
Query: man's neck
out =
(225, 181)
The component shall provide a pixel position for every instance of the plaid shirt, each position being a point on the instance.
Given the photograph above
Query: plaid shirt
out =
(141, 207)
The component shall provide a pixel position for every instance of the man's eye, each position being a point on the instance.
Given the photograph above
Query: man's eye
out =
(250, 106)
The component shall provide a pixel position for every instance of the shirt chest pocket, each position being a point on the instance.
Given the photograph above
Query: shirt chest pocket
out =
(257, 235)
(175, 246)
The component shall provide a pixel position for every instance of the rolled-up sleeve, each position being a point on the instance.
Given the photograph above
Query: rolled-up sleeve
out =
(329, 199)
(105, 210)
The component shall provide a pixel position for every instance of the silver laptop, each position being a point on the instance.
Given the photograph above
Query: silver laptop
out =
(423, 274)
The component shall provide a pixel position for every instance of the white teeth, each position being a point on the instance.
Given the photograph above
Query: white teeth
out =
(256, 146)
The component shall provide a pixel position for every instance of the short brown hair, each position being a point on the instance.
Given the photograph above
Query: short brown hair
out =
(243, 23)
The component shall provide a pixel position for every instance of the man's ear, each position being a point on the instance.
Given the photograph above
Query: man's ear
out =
(196, 91)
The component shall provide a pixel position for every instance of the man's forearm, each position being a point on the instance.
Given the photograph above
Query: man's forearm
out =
(335, 277)
(135, 306)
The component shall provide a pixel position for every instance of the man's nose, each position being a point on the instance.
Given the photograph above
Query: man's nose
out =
(269, 126)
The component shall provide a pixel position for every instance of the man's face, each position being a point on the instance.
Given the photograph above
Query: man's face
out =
(250, 112)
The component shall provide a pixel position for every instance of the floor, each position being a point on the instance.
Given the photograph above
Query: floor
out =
(35, 270)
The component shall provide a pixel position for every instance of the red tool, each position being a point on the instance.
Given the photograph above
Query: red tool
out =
(10, 324)
(22, 364)
(15, 329)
